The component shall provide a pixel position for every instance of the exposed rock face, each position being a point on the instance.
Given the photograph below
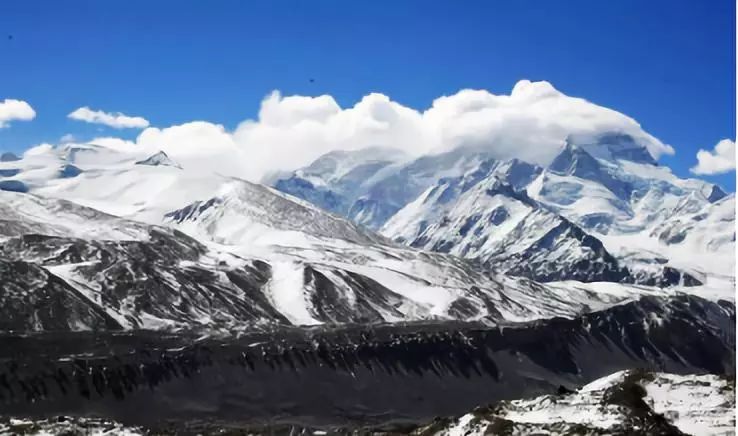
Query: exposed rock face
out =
(136, 284)
(35, 300)
(158, 159)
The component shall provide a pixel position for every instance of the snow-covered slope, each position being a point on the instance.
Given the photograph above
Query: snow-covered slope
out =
(701, 236)
(29, 214)
(623, 403)
(388, 180)
(242, 212)
(115, 182)
(335, 180)
(481, 217)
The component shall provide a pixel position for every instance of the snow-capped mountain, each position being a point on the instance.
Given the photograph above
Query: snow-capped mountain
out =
(629, 203)
(241, 210)
(69, 267)
(157, 159)
(265, 305)
(616, 196)
(609, 188)
(250, 255)
(479, 216)
(389, 180)
(336, 179)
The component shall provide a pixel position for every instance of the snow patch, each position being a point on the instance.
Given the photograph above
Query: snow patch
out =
(286, 291)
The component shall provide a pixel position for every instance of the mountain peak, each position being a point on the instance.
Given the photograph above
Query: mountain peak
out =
(615, 146)
(575, 161)
(159, 159)
(716, 194)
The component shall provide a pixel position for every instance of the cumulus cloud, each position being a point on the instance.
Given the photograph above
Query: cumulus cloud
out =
(720, 160)
(39, 149)
(116, 120)
(531, 123)
(15, 110)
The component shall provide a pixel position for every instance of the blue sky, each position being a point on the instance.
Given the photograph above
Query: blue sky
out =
(668, 64)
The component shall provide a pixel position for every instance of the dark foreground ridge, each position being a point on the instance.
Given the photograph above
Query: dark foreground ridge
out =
(386, 376)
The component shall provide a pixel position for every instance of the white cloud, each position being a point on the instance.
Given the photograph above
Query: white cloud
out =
(115, 120)
(15, 110)
(39, 149)
(720, 160)
(531, 123)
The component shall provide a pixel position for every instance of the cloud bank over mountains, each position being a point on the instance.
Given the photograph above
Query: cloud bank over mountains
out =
(531, 123)
(15, 110)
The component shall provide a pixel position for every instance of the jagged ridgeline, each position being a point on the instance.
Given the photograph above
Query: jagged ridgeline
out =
(354, 375)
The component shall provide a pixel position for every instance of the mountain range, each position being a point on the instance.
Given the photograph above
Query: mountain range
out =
(599, 252)
(600, 211)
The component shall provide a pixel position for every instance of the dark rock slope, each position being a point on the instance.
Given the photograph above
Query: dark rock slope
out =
(388, 375)
(124, 284)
